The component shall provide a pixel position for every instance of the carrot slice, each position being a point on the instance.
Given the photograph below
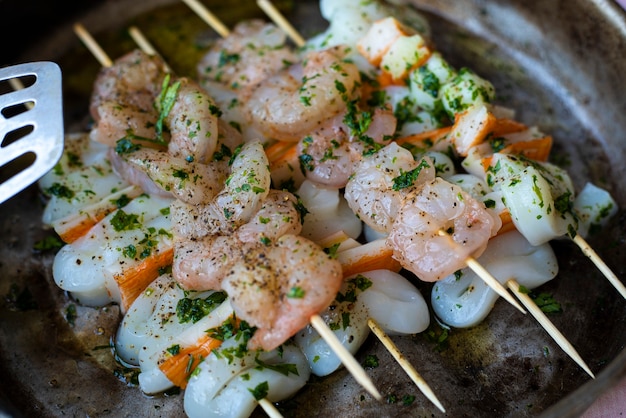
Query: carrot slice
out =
(535, 149)
(371, 256)
(504, 126)
(434, 139)
(179, 367)
(135, 280)
(278, 149)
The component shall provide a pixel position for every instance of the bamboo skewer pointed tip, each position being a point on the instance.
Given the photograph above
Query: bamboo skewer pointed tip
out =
(344, 355)
(405, 364)
(600, 264)
(548, 326)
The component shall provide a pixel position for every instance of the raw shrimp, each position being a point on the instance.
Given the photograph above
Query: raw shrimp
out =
(190, 182)
(280, 285)
(252, 52)
(135, 98)
(202, 263)
(439, 206)
(245, 189)
(370, 192)
(294, 102)
(123, 98)
(328, 154)
(192, 120)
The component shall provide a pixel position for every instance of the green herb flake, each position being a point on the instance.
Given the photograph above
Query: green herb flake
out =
(193, 310)
(371, 361)
(123, 221)
(260, 391)
(296, 292)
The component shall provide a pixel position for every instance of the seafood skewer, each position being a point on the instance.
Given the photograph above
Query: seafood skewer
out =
(353, 366)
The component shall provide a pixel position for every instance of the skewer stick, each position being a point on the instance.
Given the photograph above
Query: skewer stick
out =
(558, 337)
(270, 409)
(344, 355)
(273, 13)
(92, 45)
(405, 364)
(600, 264)
(145, 45)
(208, 17)
(486, 277)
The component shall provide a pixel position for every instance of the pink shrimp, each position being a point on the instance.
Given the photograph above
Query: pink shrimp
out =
(428, 211)
(328, 155)
(296, 101)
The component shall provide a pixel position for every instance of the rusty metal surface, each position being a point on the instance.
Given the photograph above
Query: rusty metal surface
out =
(558, 64)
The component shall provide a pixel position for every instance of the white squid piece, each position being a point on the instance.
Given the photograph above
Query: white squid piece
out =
(383, 295)
(594, 207)
(227, 386)
(328, 212)
(538, 195)
(463, 300)
(114, 251)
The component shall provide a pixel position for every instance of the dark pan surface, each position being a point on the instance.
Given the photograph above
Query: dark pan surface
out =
(559, 64)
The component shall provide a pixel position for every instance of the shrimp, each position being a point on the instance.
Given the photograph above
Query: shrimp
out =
(192, 183)
(372, 192)
(135, 98)
(192, 121)
(439, 206)
(123, 98)
(328, 154)
(294, 102)
(279, 286)
(247, 185)
(202, 263)
(253, 51)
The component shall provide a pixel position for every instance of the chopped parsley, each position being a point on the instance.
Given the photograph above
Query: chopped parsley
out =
(123, 221)
(282, 368)
(371, 361)
(193, 310)
(260, 391)
(60, 190)
(296, 292)
(407, 179)
(164, 105)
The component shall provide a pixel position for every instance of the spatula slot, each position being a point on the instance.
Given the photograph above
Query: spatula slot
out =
(17, 166)
(17, 134)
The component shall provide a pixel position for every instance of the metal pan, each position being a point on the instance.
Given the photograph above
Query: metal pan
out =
(559, 64)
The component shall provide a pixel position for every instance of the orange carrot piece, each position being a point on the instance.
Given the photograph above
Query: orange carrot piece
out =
(505, 126)
(371, 256)
(536, 149)
(507, 222)
(179, 367)
(420, 139)
(71, 230)
(135, 280)
(278, 149)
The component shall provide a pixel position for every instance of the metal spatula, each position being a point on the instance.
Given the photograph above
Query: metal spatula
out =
(31, 124)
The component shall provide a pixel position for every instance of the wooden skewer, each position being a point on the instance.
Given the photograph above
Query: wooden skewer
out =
(269, 408)
(273, 13)
(404, 363)
(600, 264)
(548, 325)
(208, 17)
(92, 45)
(145, 45)
(486, 277)
(344, 355)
